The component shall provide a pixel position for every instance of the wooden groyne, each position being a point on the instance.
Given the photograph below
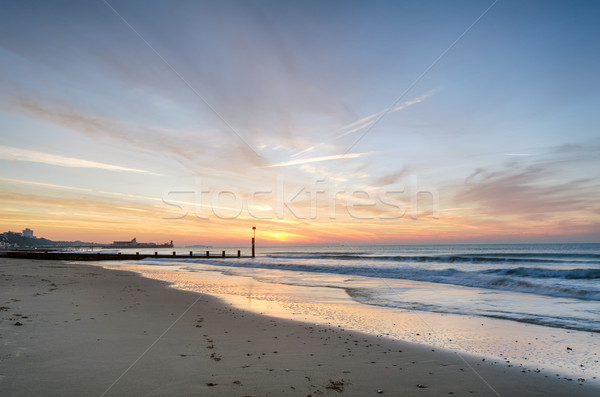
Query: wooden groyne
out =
(78, 256)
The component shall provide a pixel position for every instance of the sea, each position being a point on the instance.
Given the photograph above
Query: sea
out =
(534, 305)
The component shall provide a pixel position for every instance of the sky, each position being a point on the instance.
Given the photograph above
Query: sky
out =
(342, 122)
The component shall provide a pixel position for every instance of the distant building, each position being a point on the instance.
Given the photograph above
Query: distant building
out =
(132, 243)
(28, 233)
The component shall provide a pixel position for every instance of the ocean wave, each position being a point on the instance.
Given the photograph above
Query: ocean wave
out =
(374, 298)
(488, 258)
(536, 272)
(515, 279)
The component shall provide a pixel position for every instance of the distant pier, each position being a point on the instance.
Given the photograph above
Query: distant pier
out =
(79, 256)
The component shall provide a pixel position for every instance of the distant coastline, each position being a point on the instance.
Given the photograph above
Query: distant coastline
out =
(26, 239)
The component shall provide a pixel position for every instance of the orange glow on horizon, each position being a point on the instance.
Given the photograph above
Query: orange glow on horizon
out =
(72, 216)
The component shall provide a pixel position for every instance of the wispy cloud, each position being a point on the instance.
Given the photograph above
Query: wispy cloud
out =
(392, 178)
(319, 159)
(542, 187)
(76, 189)
(17, 154)
(360, 123)
(369, 120)
(327, 173)
(145, 138)
(44, 185)
(366, 121)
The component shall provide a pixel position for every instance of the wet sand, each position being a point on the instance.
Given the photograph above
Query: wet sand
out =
(558, 351)
(72, 330)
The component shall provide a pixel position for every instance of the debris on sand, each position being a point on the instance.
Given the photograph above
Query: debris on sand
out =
(337, 385)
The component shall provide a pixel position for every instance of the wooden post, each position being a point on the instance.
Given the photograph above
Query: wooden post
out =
(253, 239)
(173, 253)
(118, 253)
(239, 253)
(223, 253)
(137, 253)
(155, 253)
(207, 254)
(191, 253)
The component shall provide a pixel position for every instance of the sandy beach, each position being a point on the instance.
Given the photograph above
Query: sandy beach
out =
(78, 330)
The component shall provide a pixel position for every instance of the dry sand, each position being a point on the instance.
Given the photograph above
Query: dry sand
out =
(88, 331)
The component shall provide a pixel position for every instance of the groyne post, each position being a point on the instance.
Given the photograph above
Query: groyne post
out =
(253, 239)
